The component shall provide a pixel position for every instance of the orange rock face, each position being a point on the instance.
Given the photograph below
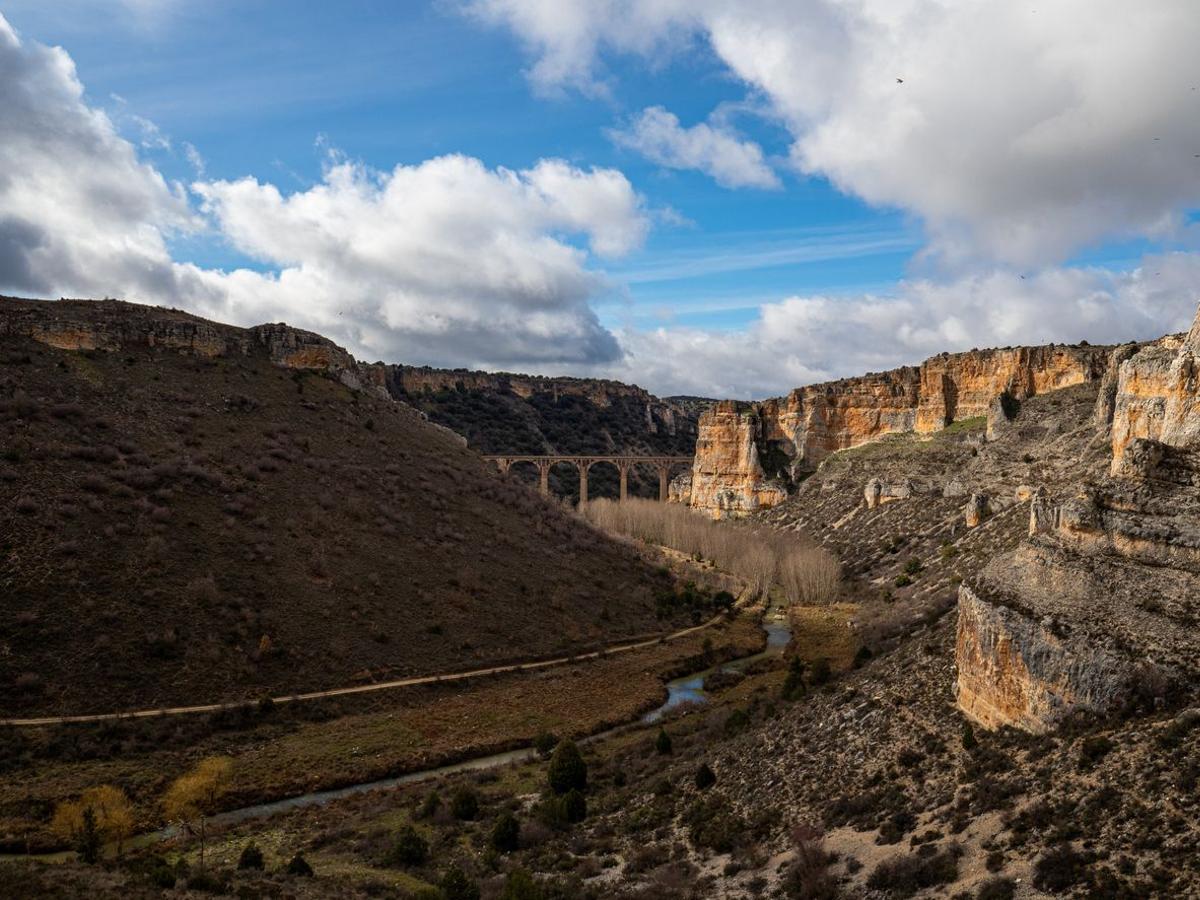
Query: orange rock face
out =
(1156, 397)
(811, 422)
(727, 479)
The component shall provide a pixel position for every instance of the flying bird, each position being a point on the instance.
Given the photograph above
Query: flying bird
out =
(899, 81)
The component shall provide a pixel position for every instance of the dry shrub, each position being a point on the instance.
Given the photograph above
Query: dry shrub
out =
(807, 573)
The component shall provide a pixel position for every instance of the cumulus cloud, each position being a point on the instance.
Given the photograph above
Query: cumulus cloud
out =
(447, 261)
(444, 260)
(712, 149)
(806, 339)
(1018, 134)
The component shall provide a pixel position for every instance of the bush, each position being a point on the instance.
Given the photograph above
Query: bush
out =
(464, 804)
(409, 848)
(1092, 749)
(1059, 868)
(456, 885)
(299, 866)
(705, 777)
(793, 685)
(574, 806)
(662, 743)
(544, 744)
(997, 889)
(821, 673)
(969, 741)
(567, 770)
(251, 858)
(506, 833)
(902, 581)
(913, 566)
(519, 885)
(430, 805)
(903, 876)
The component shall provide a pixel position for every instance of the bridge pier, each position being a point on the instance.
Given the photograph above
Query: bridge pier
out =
(662, 464)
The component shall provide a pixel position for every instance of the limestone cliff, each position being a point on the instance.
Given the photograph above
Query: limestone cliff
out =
(1097, 608)
(727, 478)
(742, 448)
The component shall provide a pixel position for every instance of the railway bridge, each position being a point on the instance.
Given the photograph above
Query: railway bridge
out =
(662, 464)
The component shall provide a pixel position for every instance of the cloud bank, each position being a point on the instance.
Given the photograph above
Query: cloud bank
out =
(1017, 134)
(446, 261)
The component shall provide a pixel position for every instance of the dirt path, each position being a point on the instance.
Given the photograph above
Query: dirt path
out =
(367, 688)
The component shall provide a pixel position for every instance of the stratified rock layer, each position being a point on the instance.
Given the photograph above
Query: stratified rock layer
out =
(744, 447)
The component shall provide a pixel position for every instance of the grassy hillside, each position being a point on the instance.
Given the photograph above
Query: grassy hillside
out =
(176, 528)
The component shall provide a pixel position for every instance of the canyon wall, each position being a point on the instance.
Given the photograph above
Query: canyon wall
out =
(1097, 609)
(747, 454)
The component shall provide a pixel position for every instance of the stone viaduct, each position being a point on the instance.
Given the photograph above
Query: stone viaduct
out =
(663, 464)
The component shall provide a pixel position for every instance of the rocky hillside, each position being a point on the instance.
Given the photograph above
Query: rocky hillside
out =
(749, 455)
(191, 512)
(503, 413)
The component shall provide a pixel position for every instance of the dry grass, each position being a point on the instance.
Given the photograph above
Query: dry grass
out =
(806, 573)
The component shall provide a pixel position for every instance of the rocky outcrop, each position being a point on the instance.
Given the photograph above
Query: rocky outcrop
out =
(1156, 396)
(727, 478)
(793, 434)
(111, 325)
(1015, 671)
(878, 492)
(977, 509)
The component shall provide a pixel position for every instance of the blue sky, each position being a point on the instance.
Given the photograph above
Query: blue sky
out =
(280, 92)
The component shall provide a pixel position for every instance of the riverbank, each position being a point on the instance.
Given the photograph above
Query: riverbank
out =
(412, 730)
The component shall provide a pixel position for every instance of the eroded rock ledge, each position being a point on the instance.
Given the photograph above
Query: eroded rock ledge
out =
(747, 452)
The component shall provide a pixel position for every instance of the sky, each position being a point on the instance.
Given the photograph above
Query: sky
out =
(727, 199)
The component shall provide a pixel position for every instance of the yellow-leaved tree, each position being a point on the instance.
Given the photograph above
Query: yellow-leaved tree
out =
(193, 797)
(103, 815)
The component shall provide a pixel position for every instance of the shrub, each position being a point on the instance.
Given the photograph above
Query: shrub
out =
(793, 685)
(662, 743)
(567, 769)
(544, 744)
(1059, 868)
(574, 806)
(808, 878)
(902, 581)
(456, 885)
(705, 777)
(969, 741)
(251, 858)
(506, 834)
(913, 566)
(738, 721)
(430, 805)
(409, 848)
(464, 804)
(821, 673)
(519, 885)
(299, 866)
(903, 876)
(998, 888)
(1092, 749)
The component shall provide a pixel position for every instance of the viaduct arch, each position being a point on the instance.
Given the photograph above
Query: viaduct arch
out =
(663, 464)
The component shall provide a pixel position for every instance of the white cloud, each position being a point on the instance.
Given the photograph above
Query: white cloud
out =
(802, 340)
(1020, 132)
(712, 149)
(447, 261)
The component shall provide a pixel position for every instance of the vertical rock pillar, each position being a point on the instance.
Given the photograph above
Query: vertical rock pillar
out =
(544, 478)
(623, 468)
(584, 465)
(663, 483)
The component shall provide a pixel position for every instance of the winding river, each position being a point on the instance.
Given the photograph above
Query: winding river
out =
(687, 689)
